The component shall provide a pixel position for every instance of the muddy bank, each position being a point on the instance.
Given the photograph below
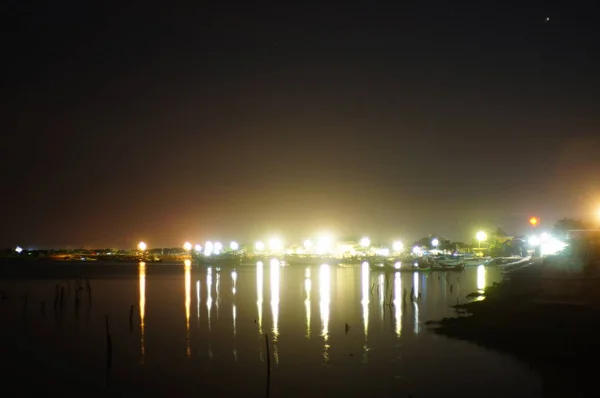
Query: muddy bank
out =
(553, 329)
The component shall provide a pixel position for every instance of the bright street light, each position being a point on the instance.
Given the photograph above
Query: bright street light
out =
(481, 236)
(198, 248)
(307, 244)
(19, 249)
(324, 245)
(218, 247)
(435, 242)
(259, 246)
(397, 246)
(234, 246)
(142, 246)
(365, 242)
(187, 246)
(275, 245)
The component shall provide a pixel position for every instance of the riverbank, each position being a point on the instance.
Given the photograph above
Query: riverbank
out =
(547, 319)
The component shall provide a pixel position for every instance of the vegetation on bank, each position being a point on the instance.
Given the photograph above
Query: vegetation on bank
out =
(514, 319)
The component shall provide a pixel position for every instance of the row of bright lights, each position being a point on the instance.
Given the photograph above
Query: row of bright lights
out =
(323, 245)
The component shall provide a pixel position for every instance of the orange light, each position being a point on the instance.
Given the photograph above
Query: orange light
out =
(534, 221)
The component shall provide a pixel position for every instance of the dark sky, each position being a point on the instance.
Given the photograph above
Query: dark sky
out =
(237, 121)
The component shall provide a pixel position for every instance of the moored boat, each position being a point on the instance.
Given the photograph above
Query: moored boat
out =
(217, 260)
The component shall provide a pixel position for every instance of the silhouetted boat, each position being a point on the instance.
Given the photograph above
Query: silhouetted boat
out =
(399, 267)
(221, 260)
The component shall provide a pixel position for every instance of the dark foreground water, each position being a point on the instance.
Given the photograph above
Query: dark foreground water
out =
(199, 331)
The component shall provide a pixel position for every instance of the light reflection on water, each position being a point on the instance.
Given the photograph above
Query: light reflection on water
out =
(259, 294)
(142, 305)
(345, 295)
(324, 299)
(209, 295)
(188, 299)
(307, 289)
(398, 303)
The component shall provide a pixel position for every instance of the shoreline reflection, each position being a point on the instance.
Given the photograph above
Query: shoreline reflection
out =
(142, 305)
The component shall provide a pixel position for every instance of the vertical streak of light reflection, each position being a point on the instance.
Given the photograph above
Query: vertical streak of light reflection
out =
(187, 267)
(365, 279)
(209, 295)
(218, 291)
(275, 268)
(234, 311)
(198, 302)
(481, 281)
(324, 300)
(307, 288)
(233, 306)
(398, 303)
(259, 294)
(415, 305)
(142, 305)
(381, 297)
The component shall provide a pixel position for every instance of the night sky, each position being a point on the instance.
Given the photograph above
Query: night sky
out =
(239, 121)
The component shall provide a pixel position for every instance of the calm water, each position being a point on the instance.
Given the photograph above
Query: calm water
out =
(197, 330)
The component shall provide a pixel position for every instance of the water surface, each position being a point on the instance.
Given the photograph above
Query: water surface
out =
(198, 330)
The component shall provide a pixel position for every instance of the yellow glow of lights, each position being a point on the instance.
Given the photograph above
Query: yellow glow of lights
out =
(397, 246)
(187, 246)
(234, 246)
(481, 236)
(324, 245)
(188, 300)
(276, 245)
(534, 221)
(198, 247)
(142, 246)
(365, 242)
(208, 248)
(259, 246)
(307, 244)
(142, 305)
(275, 267)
